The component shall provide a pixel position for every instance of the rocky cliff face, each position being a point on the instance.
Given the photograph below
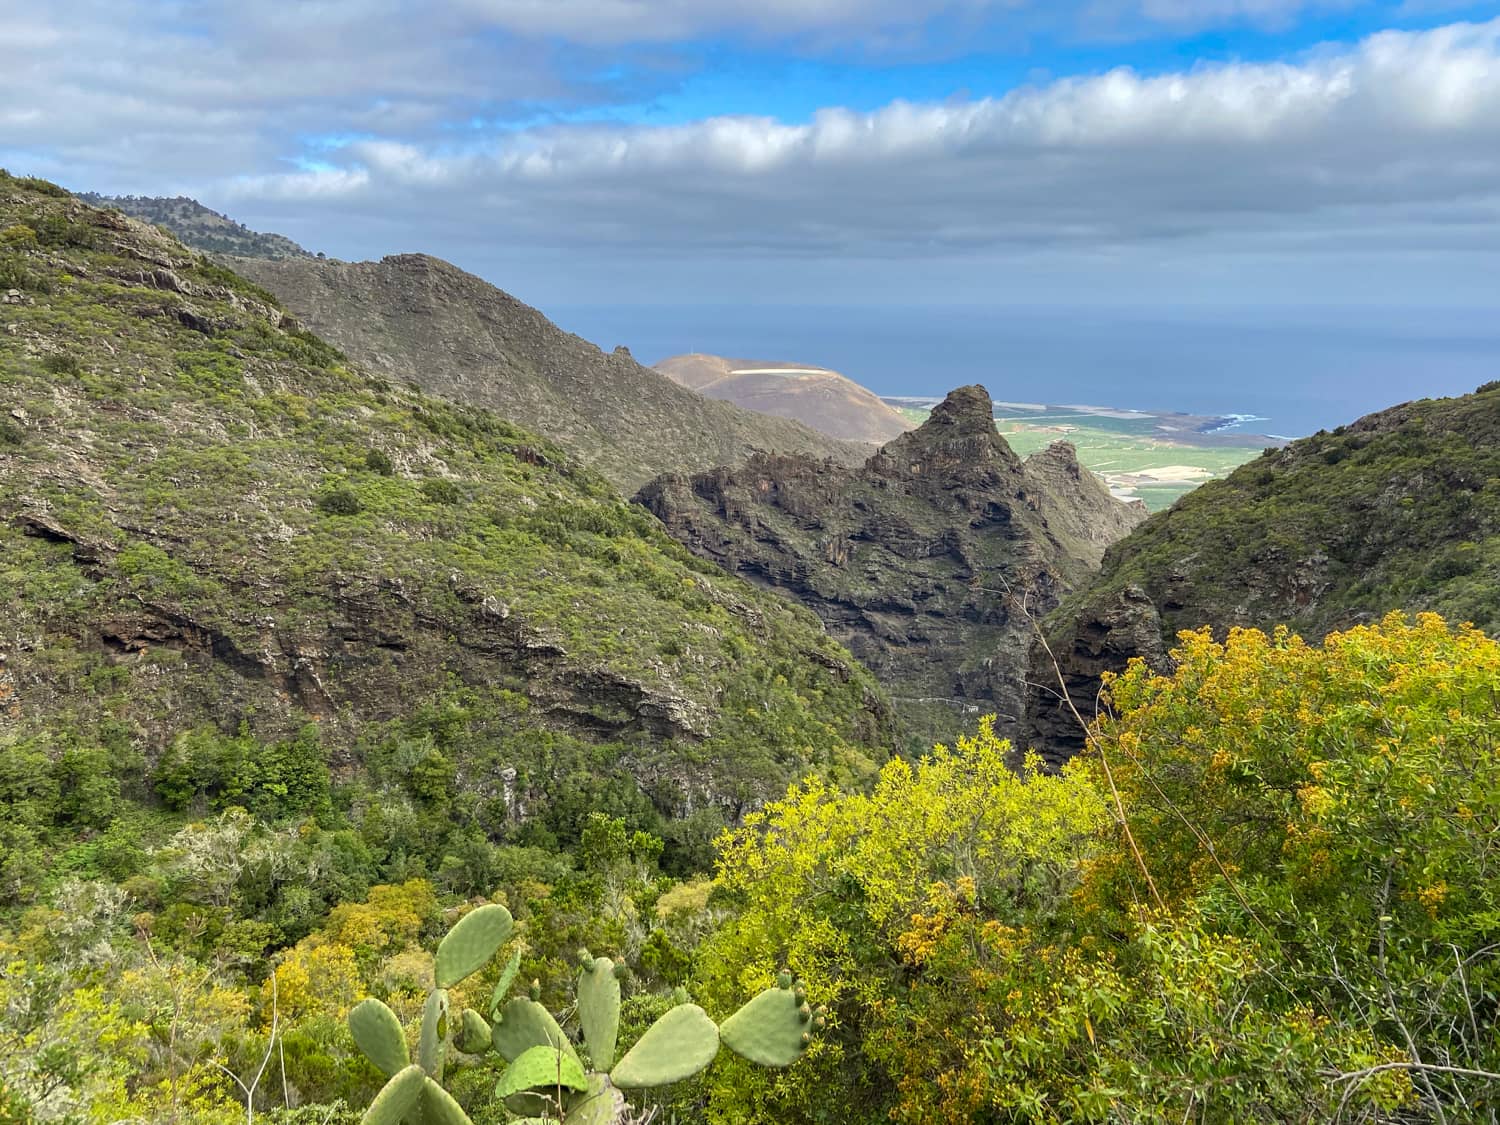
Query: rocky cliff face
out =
(211, 518)
(928, 562)
(1398, 511)
(417, 319)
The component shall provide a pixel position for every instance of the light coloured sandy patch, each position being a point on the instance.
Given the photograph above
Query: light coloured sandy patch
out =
(781, 371)
(1165, 474)
(1103, 411)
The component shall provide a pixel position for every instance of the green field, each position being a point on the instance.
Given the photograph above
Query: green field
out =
(1127, 449)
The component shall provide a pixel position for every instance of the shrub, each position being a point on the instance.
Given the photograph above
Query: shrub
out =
(63, 363)
(1336, 806)
(379, 462)
(11, 435)
(14, 274)
(441, 491)
(859, 894)
(340, 502)
(43, 187)
(19, 235)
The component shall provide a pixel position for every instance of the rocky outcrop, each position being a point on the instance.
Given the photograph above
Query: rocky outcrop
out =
(417, 319)
(929, 563)
(1398, 511)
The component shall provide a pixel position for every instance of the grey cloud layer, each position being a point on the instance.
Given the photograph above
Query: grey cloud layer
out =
(1393, 143)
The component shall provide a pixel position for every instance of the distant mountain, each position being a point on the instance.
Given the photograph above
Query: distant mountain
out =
(929, 562)
(1397, 511)
(419, 319)
(197, 226)
(815, 396)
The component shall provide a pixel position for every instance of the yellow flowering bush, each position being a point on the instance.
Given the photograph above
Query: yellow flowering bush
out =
(866, 897)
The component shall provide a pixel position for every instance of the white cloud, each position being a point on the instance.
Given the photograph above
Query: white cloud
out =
(612, 22)
(347, 123)
(1395, 139)
(665, 21)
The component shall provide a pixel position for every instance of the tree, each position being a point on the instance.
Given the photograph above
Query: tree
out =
(858, 895)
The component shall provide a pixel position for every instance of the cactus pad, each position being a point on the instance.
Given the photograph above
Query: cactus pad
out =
(677, 1046)
(439, 1108)
(502, 986)
(397, 1098)
(473, 1033)
(432, 1046)
(542, 1068)
(525, 1024)
(470, 943)
(600, 1104)
(377, 1032)
(599, 1010)
(769, 1030)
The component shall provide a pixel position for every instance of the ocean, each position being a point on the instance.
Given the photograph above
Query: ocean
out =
(1284, 371)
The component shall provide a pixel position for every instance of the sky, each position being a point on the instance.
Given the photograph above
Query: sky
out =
(674, 172)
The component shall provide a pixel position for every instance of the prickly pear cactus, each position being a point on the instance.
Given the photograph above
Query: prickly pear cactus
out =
(542, 1068)
(546, 1078)
(774, 1028)
(439, 1108)
(598, 1008)
(432, 1047)
(398, 1098)
(377, 1032)
(524, 1024)
(470, 944)
(474, 1034)
(675, 1047)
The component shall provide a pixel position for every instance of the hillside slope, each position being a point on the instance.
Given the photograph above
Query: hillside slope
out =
(199, 227)
(209, 518)
(925, 562)
(1400, 510)
(824, 400)
(418, 319)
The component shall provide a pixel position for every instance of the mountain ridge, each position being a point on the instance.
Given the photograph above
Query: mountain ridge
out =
(416, 318)
(199, 227)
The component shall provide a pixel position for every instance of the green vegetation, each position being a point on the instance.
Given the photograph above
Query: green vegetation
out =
(281, 640)
(262, 749)
(204, 522)
(1400, 510)
(1298, 925)
(1130, 461)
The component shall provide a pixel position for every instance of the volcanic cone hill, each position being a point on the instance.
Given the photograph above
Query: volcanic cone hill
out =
(1398, 511)
(824, 400)
(928, 562)
(417, 319)
(211, 520)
